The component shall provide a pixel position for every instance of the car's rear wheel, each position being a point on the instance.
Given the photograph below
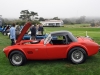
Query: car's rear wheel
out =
(77, 55)
(17, 58)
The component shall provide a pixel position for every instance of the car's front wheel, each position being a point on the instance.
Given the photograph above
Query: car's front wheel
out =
(17, 58)
(77, 55)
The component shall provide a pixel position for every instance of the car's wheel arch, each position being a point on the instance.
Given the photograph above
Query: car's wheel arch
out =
(68, 50)
(17, 50)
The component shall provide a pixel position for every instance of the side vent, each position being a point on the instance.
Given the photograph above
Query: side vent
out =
(29, 52)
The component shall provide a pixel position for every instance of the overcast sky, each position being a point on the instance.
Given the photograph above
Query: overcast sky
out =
(51, 8)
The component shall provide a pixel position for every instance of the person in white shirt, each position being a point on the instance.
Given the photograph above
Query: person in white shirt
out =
(12, 34)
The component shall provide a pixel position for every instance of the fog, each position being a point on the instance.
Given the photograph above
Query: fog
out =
(51, 8)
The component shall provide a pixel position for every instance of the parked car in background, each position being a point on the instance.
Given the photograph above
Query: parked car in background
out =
(5, 30)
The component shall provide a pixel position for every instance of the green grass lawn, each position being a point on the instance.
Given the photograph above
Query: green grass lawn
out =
(53, 67)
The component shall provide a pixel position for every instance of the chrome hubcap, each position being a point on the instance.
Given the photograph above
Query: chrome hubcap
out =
(77, 56)
(17, 59)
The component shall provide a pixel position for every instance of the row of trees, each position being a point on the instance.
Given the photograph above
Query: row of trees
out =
(26, 15)
(18, 22)
(68, 21)
(79, 20)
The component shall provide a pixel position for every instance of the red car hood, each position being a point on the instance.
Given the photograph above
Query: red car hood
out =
(25, 28)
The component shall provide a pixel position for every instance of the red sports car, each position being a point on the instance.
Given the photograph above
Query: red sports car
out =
(57, 45)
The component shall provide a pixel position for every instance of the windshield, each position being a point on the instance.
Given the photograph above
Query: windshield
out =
(47, 40)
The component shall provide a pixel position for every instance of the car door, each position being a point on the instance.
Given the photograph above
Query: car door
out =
(37, 51)
(56, 51)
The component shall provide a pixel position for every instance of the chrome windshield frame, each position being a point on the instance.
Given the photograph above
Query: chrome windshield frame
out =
(48, 39)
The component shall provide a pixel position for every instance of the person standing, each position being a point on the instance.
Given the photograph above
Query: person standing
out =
(39, 30)
(42, 29)
(17, 31)
(33, 32)
(12, 34)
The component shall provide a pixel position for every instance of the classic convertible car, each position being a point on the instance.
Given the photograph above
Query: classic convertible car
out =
(57, 45)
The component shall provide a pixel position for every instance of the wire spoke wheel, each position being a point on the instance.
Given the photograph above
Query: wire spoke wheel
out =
(17, 59)
(77, 56)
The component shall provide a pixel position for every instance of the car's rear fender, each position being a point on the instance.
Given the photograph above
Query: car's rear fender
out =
(73, 46)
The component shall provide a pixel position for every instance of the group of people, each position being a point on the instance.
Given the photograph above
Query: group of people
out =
(35, 30)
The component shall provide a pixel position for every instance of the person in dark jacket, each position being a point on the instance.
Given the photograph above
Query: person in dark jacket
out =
(33, 32)
(40, 29)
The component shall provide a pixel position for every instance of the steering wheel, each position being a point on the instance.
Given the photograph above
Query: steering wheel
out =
(51, 42)
(64, 41)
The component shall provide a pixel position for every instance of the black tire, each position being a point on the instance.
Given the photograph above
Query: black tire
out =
(77, 55)
(17, 58)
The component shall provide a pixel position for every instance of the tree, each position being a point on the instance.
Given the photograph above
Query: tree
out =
(35, 22)
(56, 18)
(26, 15)
(80, 20)
(41, 19)
(67, 21)
(33, 14)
